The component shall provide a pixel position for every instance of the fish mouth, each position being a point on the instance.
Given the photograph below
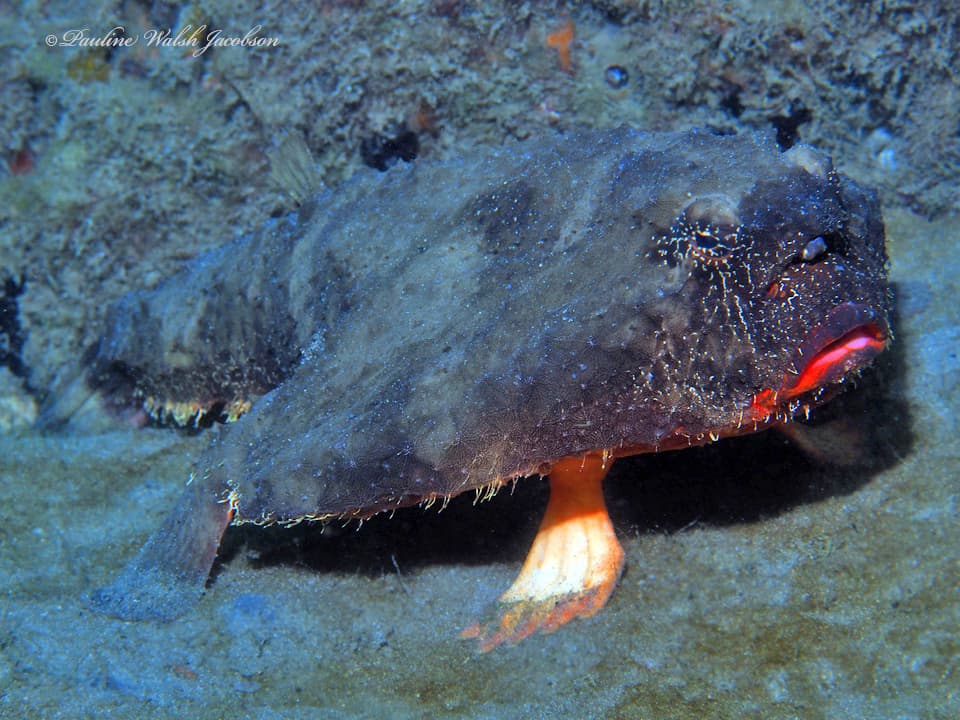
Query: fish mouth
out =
(849, 339)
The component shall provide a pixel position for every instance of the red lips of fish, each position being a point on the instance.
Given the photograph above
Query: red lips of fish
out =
(849, 338)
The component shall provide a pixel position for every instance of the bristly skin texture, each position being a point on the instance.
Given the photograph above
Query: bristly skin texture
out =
(449, 327)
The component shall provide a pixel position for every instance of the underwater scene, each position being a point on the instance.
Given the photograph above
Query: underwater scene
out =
(443, 359)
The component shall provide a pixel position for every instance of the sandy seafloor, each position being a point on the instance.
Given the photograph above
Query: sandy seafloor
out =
(761, 581)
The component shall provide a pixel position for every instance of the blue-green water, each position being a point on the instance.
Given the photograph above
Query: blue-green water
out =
(761, 582)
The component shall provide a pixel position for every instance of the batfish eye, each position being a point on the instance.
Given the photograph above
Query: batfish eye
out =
(706, 240)
(814, 249)
(712, 246)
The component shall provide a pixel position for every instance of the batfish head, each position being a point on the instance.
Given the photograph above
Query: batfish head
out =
(787, 287)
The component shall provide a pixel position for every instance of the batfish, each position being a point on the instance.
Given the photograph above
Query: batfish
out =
(538, 309)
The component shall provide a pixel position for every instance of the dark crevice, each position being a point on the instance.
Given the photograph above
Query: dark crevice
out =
(11, 334)
(788, 125)
(381, 153)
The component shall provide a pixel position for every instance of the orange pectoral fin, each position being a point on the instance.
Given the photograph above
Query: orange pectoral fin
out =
(573, 565)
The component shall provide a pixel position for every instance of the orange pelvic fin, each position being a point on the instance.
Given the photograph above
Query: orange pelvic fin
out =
(573, 565)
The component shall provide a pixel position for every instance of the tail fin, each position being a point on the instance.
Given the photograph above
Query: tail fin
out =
(167, 576)
(68, 395)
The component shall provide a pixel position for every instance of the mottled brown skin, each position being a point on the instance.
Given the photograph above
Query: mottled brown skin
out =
(450, 327)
